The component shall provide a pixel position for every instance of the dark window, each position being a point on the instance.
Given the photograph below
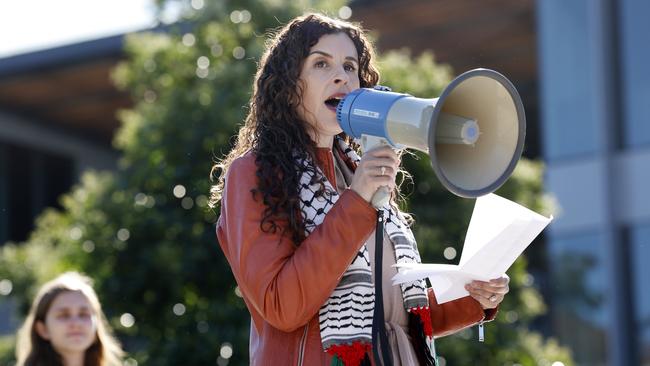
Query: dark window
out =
(578, 302)
(30, 180)
(569, 91)
(640, 253)
(635, 58)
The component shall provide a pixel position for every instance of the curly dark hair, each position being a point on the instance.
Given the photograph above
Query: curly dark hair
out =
(273, 129)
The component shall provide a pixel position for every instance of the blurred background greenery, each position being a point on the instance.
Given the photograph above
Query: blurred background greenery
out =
(144, 232)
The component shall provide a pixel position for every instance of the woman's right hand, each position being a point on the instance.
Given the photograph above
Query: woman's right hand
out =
(378, 167)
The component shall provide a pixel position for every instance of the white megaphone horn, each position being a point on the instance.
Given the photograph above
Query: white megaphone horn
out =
(474, 132)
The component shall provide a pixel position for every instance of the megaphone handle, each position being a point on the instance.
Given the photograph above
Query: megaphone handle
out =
(381, 197)
(369, 142)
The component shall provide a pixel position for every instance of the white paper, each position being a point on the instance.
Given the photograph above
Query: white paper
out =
(499, 231)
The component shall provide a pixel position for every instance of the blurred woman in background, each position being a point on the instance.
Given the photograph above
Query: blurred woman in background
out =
(66, 327)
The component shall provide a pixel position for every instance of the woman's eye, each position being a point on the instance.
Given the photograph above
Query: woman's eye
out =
(350, 67)
(63, 316)
(320, 64)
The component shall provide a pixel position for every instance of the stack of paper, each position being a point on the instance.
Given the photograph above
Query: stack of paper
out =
(498, 233)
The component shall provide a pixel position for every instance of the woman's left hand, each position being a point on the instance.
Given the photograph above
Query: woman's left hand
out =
(489, 294)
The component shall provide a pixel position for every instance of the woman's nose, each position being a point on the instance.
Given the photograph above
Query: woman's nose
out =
(76, 320)
(341, 76)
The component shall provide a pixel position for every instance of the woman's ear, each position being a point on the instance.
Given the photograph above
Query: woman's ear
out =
(41, 329)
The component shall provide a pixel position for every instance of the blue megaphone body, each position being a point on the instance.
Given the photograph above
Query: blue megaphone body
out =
(474, 132)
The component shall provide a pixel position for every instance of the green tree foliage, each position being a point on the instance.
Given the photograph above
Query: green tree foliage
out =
(144, 232)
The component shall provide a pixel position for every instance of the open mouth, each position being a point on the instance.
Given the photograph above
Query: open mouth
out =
(333, 102)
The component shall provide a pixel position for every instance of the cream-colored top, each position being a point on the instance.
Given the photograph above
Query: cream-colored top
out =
(395, 314)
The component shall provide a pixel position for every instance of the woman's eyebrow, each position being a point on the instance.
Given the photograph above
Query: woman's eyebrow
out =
(351, 58)
(70, 308)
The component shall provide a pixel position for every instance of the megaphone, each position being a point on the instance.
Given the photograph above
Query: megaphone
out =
(474, 132)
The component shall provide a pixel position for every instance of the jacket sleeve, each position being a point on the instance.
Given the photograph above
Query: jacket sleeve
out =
(287, 284)
(456, 315)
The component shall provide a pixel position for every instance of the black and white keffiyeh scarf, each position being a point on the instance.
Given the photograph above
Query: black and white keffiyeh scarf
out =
(346, 317)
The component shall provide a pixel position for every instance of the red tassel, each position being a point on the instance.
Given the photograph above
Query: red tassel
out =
(425, 317)
(351, 354)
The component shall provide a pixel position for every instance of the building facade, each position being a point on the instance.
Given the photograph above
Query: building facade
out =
(595, 113)
(57, 117)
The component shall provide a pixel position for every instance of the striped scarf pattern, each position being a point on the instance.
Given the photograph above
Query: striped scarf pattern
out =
(346, 317)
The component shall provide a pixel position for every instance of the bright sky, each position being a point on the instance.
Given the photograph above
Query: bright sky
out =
(29, 25)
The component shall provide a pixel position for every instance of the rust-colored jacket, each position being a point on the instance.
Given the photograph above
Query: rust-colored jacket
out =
(284, 286)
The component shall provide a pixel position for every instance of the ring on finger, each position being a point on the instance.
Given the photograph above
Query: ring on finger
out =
(493, 298)
(383, 170)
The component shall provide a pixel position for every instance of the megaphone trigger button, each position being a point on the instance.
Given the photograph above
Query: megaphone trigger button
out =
(382, 88)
